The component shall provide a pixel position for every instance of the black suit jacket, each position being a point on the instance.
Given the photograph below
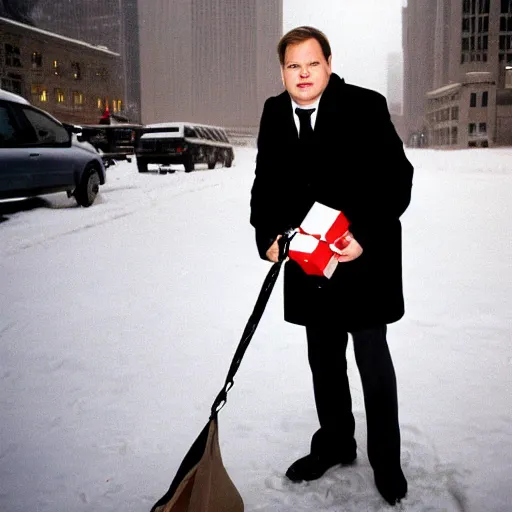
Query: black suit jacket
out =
(355, 164)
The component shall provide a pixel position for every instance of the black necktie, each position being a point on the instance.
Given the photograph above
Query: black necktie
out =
(306, 131)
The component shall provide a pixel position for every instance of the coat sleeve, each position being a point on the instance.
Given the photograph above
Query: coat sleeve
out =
(387, 193)
(264, 203)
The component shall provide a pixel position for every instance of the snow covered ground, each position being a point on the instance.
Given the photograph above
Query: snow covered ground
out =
(119, 322)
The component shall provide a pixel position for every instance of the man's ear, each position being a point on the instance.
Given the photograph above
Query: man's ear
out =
(329, 61)
(282, 73)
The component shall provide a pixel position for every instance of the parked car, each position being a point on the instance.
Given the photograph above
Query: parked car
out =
(40, 155)
(113, 142)
(183, 143)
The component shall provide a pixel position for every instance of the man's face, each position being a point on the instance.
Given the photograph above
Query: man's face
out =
(305, 71)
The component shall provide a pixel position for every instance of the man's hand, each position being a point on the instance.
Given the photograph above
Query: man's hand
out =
(273, 252)
(351, 252)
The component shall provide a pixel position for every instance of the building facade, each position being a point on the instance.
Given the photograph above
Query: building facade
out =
(418, 29)
(469, 103)
(394, 93)
(72, 80)
(209, 61)
(109, 23)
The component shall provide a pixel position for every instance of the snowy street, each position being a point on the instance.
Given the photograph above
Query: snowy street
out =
(119, 322)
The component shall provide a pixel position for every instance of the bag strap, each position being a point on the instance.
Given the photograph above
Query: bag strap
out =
(252, 323)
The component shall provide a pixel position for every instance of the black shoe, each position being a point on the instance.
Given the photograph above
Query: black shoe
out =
(313, 466)
(392, 485)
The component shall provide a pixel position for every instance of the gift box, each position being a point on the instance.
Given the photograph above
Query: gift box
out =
(313, 255)
(320, 238)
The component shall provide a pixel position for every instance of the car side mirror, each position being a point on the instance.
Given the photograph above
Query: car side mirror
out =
(72, 128)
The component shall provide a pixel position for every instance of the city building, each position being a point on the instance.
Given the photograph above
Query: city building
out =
(109, 23)
(468, 101)
(73, 80)
(209, 61)
(394, 94)
(418, 29)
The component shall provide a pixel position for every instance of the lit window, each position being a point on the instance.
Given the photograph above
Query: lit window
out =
(99, 103)
(43, 96)
(119, 105)
(56, 67)
(114, 106)
(59, 96)
(78, 98)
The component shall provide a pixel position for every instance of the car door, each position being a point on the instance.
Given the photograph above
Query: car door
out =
(52, 151)
(16, 161)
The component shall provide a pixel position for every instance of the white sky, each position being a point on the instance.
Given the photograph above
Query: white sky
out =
(361, 32)
(118, 323)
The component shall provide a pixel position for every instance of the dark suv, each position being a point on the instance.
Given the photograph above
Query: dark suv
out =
(183, 143)
(39, 155)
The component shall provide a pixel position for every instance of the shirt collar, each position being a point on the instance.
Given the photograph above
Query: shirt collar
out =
(313, 105)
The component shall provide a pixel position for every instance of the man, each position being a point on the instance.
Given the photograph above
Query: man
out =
(326, 141)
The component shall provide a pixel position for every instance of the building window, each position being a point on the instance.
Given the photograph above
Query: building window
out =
(482, 128)
(485, 98)
(101, 73)
(56, 68)
(37, 60)
(455, 113)
(12, 56)
(508, 77)
(475, 31)
(35, 90)
(59, 96)
(39, 93)
(78, 98)
(472, 129)
(99, 103)
(472, 100)
(454, 135)
(506, 6)
(13, 83)
(77, 73)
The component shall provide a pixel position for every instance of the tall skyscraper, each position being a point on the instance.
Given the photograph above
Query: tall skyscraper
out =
(209, 61)
(395, 83)
(459, 87)
(109, 23)
(419, 23)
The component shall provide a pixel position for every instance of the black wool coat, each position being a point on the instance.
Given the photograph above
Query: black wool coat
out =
(356, 164)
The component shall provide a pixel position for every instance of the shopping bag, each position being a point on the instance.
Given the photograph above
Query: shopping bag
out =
(202, 483)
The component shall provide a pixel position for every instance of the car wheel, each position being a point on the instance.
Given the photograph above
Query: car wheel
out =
(188, 164)
(88, 189)
(142, 166)
(211, 160)
(228, 160)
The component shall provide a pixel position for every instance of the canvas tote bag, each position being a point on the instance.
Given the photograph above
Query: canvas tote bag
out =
(202, 483)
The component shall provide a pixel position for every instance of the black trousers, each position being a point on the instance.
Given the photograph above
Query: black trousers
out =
(327, 359)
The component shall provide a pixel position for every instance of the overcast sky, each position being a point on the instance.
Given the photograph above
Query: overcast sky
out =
(361, 32)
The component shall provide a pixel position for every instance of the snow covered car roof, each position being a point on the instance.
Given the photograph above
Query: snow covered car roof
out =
(10, 96)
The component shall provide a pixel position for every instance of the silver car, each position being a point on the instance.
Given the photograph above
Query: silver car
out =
(39, 155)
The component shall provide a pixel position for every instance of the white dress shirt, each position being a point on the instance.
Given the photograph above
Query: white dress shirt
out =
(313, 115)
